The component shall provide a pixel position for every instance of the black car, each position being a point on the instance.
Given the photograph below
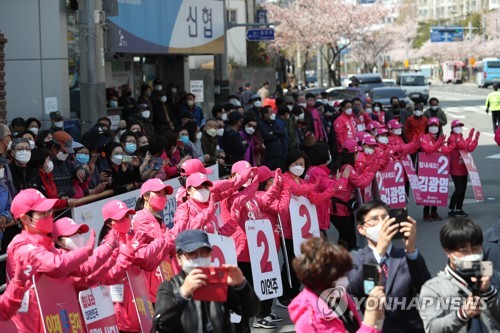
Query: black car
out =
(367, 82)
(383, 95)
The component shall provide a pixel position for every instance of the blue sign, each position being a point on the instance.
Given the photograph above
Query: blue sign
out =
(447, 34)
(261, 16)
(260, 35)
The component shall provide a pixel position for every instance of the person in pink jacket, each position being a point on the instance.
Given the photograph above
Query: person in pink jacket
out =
(345, 125)
(396, 140)
(294, 166)
(372, 127)
(433, 141)
(458, 170)
(344, 205)
(322, 268)
(34, 212)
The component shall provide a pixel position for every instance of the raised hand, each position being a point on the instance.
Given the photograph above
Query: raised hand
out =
(89, 246)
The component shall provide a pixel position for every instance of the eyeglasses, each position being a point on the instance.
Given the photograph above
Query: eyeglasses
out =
(374, 220)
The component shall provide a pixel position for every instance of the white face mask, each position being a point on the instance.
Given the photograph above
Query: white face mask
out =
(303, 105)
(324, 101)
(2, 172)
(459, 262)
(372, 233)
(417, 113)
(146, 114)
(113, 104)
(301, 116)
(189, 264)
(198, 135)
(290, 107)
(348, 112)
(433, 129)
(61, 156)
(273, 116)
(369, 150)
(23, 156)
(257, 104)
(368, 110)
(434, 108)
(32, 144)
(397, 131)
(163, 99)
(342, 281)
(383, 140)
(331, 103)
(74, 242)
(158, 87)
(223, 117)
(190, 102)
(220, 132)
(34, 130)
(59, 124)
(212, 132)
(173, 90)
(297, 170)
(49, 167)
(376, 109)
(117, 159)
(201, 195)
(457, 130)
(249, 130)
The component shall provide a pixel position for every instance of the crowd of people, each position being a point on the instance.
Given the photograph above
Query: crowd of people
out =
(301, 145)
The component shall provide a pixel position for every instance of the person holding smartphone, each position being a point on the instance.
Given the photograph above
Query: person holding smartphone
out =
(403, 270)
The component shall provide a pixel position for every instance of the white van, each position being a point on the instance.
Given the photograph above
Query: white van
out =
(414, 85)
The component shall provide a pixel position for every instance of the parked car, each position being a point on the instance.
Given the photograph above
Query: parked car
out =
(389, 82)
(383, 95)
(414, 85)
(367, 82)
(340, 93)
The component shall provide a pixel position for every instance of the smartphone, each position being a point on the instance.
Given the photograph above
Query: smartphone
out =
(486, 268)
(216, 288)
(127, 159)
(372, 276)
(401, 215)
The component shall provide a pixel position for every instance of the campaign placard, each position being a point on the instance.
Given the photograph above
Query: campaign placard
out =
(412, 178)
(304, 221)
(473, 175)
(223, 250)
(166, 270)
(433, 179)
(391, 185)
(97, 310)
(140, 294)
(266, 271)
(8, 326)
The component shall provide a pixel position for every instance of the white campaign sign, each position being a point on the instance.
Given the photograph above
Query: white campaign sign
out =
(264, 259)
(223, 250)
(97, 308)
(304, 221)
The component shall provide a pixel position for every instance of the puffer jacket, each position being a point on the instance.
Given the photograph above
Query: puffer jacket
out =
(457, 165)
(53, 262)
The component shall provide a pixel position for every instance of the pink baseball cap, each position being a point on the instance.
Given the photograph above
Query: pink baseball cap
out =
(240, 166)
(361, 135)
(194, 165)
(67, 227)
(351, 145)
(264, 174)
(373, 124)
(30, 200)
(369, 140)
(394, 124)
(116, 210)
(433, 121)
(382, 130)
(336, 103)
(456, 123)
(155, 185)
(198, 178)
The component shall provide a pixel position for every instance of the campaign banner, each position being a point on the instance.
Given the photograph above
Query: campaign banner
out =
(433, 179)
(91, 214)
(8, 326)
(165, 271)
(266, 271)
(140, 294)
(304, 221)
(58, 304)
(412, 178)
(97, 310)
(223, 250)
(391, 185)
(473, 175)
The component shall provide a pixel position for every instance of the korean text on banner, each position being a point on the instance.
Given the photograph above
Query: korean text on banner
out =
(412, 178)
(97, 309)
(391, 185)
(140, 293)
(196, 88)
(58, 305)
(433, 173)
(264, 259)
(473, 174)
(304, 221)
(223, 250)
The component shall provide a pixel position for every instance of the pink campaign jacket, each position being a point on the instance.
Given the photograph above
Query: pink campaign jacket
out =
(431, 144)
(345, 128)
(222, 189)
(54, 262)
(457, 165)
(402, 148)
(308, 318)
(354, 180)
(195, 215)
(11, 300)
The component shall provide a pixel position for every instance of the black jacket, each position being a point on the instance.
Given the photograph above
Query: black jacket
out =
(272, 135)
(178, 315)
(233, 146)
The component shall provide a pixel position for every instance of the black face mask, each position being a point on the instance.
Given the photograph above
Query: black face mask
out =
(395, 106)
(128, 93)
(144, 149)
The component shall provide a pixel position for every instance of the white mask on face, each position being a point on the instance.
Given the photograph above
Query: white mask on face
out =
(190, 102)
(331, 103)
(117, 159)
(32, 144)
(198, 135)
(189, 264)
(324, 101)
(212, 132)
(457, 130)
(297, 170)
(158, 87)
(49, 168)
(417, 113)
(201, 195)
(434, 129)
(220, 132)
(368, 110)
(369, 150)
(223, 117)
(74, 242)
(383, 140)
(146, 114)
(61, 156)
(290, 107)
(348, 112)
(58, 124)
(257, 104)
(376, 109)
(23, 156)
(163, 99)
(301, 116)
(342, 281)
(397, 131)
(34, 130)
(434, 108)
(249, 130)
(273, 116)
(113, 104)
(303, 105)
(372, 233)
(459, 262)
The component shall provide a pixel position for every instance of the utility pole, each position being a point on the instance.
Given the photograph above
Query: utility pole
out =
(92, 78)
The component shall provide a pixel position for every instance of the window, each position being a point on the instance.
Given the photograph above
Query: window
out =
(231, 15)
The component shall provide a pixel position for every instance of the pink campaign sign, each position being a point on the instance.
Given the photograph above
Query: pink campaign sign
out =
(412, 178)
(433, 173)
(58, 305)
(143, 305)
(391, 185)
(7, 326)
(98, 311)
(473, 174)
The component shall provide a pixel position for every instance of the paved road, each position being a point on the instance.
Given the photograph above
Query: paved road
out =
(464, 102)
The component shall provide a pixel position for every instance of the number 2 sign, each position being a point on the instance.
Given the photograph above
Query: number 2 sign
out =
(304, 221)
(264, 259)
(223, 250)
